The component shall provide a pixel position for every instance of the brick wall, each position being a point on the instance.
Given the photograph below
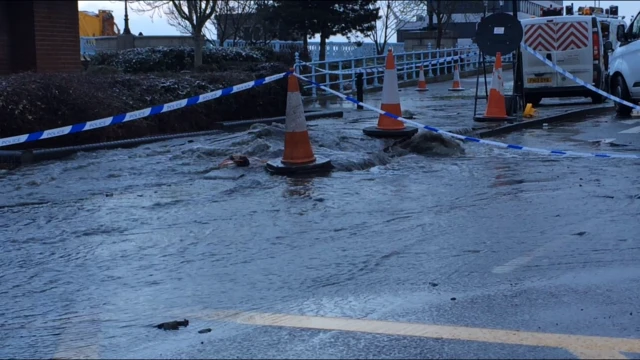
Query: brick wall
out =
(40, 36)
(5, 65)
(21, 36)
(57, 36)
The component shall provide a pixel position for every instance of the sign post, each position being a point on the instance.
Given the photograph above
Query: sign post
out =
(518, 75)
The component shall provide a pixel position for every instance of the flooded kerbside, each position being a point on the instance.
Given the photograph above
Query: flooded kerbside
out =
(101, 246)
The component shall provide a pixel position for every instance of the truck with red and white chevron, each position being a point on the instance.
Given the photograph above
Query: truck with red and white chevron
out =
(574, 43)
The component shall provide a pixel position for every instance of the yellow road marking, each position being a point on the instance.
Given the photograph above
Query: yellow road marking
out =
(587, 347)
(84, 352)
(601, 354)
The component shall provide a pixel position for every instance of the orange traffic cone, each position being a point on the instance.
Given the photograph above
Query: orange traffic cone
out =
(456, 80)
(387, 126)
(496, 106)
(298, 155)
(422, 83)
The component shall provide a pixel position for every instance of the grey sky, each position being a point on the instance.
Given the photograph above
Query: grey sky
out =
(159, 26)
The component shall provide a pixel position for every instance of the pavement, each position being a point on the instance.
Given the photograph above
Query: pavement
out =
(453, 111)
(609, 129)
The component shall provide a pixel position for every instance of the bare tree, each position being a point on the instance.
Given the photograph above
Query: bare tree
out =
(265, 27)
(393, 16)
(476, 11)
(244, 18)
(187, 16)
(221, 23)
(234, 16)
(442, 11)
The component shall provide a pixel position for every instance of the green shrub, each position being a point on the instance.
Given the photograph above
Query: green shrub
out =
(284, 56)
(32, 102)
(171, 59)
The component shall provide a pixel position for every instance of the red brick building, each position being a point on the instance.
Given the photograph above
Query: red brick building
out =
(41, 36)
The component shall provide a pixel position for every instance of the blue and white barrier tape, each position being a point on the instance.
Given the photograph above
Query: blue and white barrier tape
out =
(138, 114)
(468, 138)
(577, 80)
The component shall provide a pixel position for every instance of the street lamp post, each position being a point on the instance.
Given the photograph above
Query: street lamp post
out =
(126, 30)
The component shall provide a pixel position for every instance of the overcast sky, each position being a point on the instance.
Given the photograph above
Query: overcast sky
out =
(159, 26)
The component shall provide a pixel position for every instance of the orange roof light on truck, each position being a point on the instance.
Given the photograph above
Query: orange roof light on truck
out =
(611, 12)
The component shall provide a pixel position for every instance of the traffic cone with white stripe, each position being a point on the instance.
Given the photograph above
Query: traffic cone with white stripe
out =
(457, 86)
(298, 155)
(496, 105)
(422, 83)
(387, 126)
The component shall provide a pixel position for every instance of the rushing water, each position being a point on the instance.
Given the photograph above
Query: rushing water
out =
(100, 246)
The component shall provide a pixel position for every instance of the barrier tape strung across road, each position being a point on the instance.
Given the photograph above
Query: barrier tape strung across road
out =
(138, 114)
(577, 80)
(469, 138)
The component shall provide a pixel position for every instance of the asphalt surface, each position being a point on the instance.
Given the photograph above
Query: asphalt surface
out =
(102, 246)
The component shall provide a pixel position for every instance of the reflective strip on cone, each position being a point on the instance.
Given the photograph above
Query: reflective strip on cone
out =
(390, 94)
(294, 119)
(390, 97)
(297, 145)
(456, 78)
(496, 107)
(422, 83)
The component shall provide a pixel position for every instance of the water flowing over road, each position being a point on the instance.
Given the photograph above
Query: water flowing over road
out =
(101, 246)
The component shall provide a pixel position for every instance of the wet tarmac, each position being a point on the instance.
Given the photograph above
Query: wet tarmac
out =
(99, 248)
(449, 110)
(621, 134)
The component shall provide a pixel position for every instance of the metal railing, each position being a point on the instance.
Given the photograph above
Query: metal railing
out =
(334, 50)
(340, 75)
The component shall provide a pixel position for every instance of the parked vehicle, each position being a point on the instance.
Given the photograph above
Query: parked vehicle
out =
(573, 43)
(624, 66)
(102, 23)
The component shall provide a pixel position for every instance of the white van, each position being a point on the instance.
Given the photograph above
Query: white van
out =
(624, 66)
(610, 26)
(572, 42)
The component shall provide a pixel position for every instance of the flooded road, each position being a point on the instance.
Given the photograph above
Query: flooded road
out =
(98, 248)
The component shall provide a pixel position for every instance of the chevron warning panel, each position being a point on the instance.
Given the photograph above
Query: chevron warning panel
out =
(572, 36)
(557, 36)
(541, 37)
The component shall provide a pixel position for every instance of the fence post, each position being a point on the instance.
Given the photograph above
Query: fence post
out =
(404, 58)
(438, 62)
(413, 67)
(297, 63)
(353, 77)
(429, 56)
(314, 90)
(375, 70)
(327, 74)
(340, 77)
(360, 88)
